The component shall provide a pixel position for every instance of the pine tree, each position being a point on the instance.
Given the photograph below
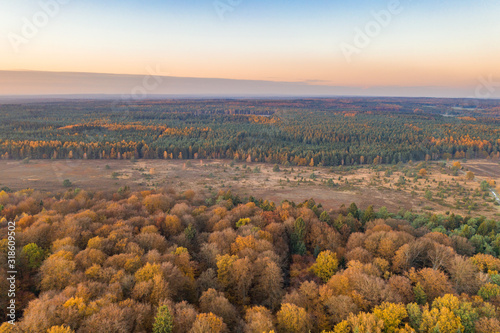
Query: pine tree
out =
(297, 238)
(164, 322)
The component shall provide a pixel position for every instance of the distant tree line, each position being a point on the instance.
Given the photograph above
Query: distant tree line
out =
(280, 132)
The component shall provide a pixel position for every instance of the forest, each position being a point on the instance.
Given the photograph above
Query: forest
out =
(163, 261)
(312, 132)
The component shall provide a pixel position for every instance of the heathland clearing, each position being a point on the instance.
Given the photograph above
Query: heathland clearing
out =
(437, 190)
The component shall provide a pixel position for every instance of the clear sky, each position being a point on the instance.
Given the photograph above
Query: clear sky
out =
(446, 43)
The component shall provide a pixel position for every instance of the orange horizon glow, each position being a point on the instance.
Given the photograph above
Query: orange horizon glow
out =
(448, 46)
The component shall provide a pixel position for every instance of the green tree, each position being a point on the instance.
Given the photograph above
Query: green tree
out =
(297, 238)
(420, 295)
(415, 315)
(428, 195)
(485, 186)
(383, 213)
(34, 255)
(164, 321)
(369, 214)
(190, 232)
(489, 291)
(353, 210)
(325, 217)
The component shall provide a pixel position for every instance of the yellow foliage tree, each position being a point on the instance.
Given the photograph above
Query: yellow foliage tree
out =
(147, 272)
(326, 265)
(57, 270)
(242, 243)
(292, 319)
(342, 327)
(224, 264)
(391, 314)
(442, 319)
(339, 284)
(486, 262)
(183, 261)
(208, 323)
(60, 329)
(365, 323)
(181, 250)
(78, 304)
(173, 224)
(9, 328)
(258, 319)
(447, 301)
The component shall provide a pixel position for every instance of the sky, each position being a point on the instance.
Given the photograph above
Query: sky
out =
(357, 43)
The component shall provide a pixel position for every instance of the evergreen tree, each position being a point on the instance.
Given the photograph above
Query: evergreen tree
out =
(164, 322)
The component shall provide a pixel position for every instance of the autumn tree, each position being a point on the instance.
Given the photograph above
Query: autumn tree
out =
(215, 302)
(208, 323)
(292, 319)
(173, 225)
(339, 307)
(326, 265)
(267, 288)
(56, 270)
(434, 283)
(9, 328)
(464, 275)
(442, 320)
(60, 329)
(184, 315)
(258, 319)
(235, 275)
(391, 314)
(487, 325)
(362, 322)
(157, 202)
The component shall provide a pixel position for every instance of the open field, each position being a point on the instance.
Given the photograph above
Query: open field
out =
(484, 169)
(440, 190)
